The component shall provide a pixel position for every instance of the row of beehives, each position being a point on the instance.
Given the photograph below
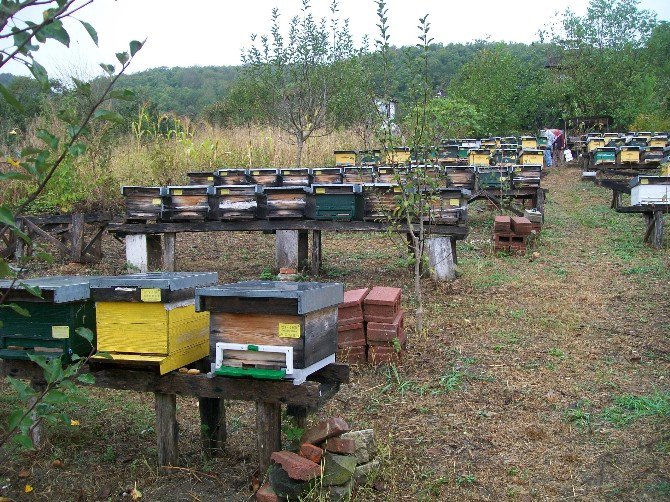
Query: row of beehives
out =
(624, 149)
(166, 321)
(343, 202)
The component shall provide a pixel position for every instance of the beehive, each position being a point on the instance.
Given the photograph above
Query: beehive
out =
(448, 154)
(653, 155)
(594, 142)
(639, 141)
(296, 177)
(345, 158)
(531, 157)
(462, 177)
(604, 155)
(505, 157)
(380, 201)
(341, 202)
(150, 319)
(143, 203)
(510, 140)
(628, 154)
(285, 202)
(658, 141)
(479, 157)
(203, 178)
(326, 175)
(397, 156)
(650, 190)
(236, 202)
(255, 315)
(50, 328)
(388, 174)
(233, 176)
(493, 178)
(526, 176)
(542, 142)
(489, 144)
(363, 174)
(186, 203)
(528, 142)
(264, 177)
(446, 206)
(369, 157)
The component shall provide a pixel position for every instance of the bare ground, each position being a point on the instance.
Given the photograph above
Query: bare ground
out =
(511, 393)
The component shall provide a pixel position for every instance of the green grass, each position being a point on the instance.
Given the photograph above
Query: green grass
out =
(629, 408)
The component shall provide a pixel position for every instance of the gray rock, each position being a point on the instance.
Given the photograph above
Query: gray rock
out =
(366, 448)
(283, 485)
(338, 469)
(365, 472)
(341, 493)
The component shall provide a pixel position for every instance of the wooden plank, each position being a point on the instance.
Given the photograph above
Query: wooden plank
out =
(169, 245)
(167, 429)
(268, 430)
(213, 426)
(77, 237)
(94, 246)
(649, 208)
(50, 238)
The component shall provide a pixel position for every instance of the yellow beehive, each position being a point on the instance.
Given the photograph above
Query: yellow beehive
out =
(397, 156)
(534, 157)
(628, 155)
(345, 158)
(479, 157)
(594, 142)
(661, 141)
(528, 142)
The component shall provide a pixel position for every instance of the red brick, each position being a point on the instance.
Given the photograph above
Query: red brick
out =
(378, 354)
(341, 445)
(311, 452)
(385, 333)
(382, 295)
(351, 337)
(266, 494)
(354, 297)
(502, 224)
(352, 355)
(521, 225)
(325, 430)
(287, 271)
(380, 313)
(537, 227)
(296, 467)
(349, 314)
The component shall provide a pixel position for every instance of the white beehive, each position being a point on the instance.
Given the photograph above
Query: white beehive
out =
(650, 190)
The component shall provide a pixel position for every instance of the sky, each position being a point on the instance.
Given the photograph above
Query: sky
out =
(213, 32)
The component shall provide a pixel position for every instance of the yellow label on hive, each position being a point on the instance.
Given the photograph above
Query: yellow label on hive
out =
(156, 202)
(289, 330)
(286, 172)
(397, 189)
(454, 202)
(60, 331)
(644, 182)
(210, 178)
(256, 173)
(150, 295)
(177, 192)
(224, 191)
(317, 172)
(320, 190)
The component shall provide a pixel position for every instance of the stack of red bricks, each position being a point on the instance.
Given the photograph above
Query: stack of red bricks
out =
(371, 325)
(511, 234)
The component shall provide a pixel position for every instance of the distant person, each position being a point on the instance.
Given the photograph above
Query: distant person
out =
(559, 146)
(549, 147)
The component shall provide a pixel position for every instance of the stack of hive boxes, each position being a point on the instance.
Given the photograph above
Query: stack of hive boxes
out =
(511, 234)
(384, 324)
(351, 342)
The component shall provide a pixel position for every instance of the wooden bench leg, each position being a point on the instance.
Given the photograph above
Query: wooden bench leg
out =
(213, 426)
(169, 244)
(316, 252)
(440, 258)
(291, 248)
(268, 429)
(167, 430)
(77, 237)
(654, 231)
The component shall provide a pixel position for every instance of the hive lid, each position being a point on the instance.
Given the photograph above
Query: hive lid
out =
(61, 289)
(172, 281)
(311, 296)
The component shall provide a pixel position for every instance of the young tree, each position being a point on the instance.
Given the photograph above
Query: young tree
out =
(300, 80)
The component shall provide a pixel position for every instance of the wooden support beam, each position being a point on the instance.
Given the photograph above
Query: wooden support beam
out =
(48, 237)
(167, 429)
(94, 247)
(316, 252)
(20, 249)
(77, 237)
(654, 230)
(291, 248)
(440, 258)
(169, 256)
(213, 426)
(268, 430)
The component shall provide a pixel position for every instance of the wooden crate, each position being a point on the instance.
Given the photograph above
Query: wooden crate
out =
(300, 315)
(361, 174)
(203, 178)
(150, 319)
(186, 203)
(296, 177)
(143, 203)
(264, 177)
(233, 176)
(389, 174)
(447, 206)
(326, 175)
(380, 201)
(531, 157)
(345, 158)
(50, 328)
(237, 202)
(285, 202)
(342, 202)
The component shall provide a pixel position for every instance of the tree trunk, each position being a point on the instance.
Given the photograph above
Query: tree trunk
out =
(300, 143)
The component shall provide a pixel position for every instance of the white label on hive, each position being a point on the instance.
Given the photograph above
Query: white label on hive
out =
(156, 202)
(60, 331)
(177, 192)
(289, 330)
(320, 190)
(150, 295)
(224, 191)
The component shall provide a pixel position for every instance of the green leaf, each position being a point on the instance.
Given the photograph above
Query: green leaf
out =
(122, 57)
(77, 149)
(55, 397)
(40, 360)
(33, 290)
(109, 115)
(24, 390)
(9, 97)
(18, 309)
(6, 217)
(86, 378)
(91, 31)
(23, 440)
(86, 333)
(40, 74)
(13, 175)
(135, 46)
(56, 31)
(15, 418)
(124, 94)
(5, 269)
(104, 355)
(48, 138)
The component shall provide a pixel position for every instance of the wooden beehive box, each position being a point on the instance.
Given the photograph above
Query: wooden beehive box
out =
(326, 175)
(604, 155)
(446, 206)
(653, 155)
(342, 202)
(301, 315)
(50, 328)
(448, 154)
(389, 174)
(150, 319)
(233, 176)
(203, 178)
(526, 176)
(479, 157)
(143, 203)
(493, 178)
(628, 154)
(594, 142)
(361, 174)
(528, 142)
(397, 156)
(186, 203)
(266, 177)
(460, 176)
(510, 140)
(639, 141)
(370, 157)
(532, 157)
(659, 140)
(296, 177)
(380, 201)
(236, 202)
(490, 145)
(542, 142)
(285, 202)
(506, 157)
(650, 190)
(345, 158)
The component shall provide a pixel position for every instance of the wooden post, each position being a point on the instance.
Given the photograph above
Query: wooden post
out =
(299, 415)
(167, 430)
(143, 251)
(617, 199)
(539, 200)
(316, 252)
(213, 425)
(453, 250)
(440, 258)
(656, 234)
(291, 248)
(77, 237)
(169, 257)
(268, 429)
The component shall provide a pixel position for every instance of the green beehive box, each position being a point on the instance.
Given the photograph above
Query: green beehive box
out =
(341, 202)
(50, 328)
(497, 178)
